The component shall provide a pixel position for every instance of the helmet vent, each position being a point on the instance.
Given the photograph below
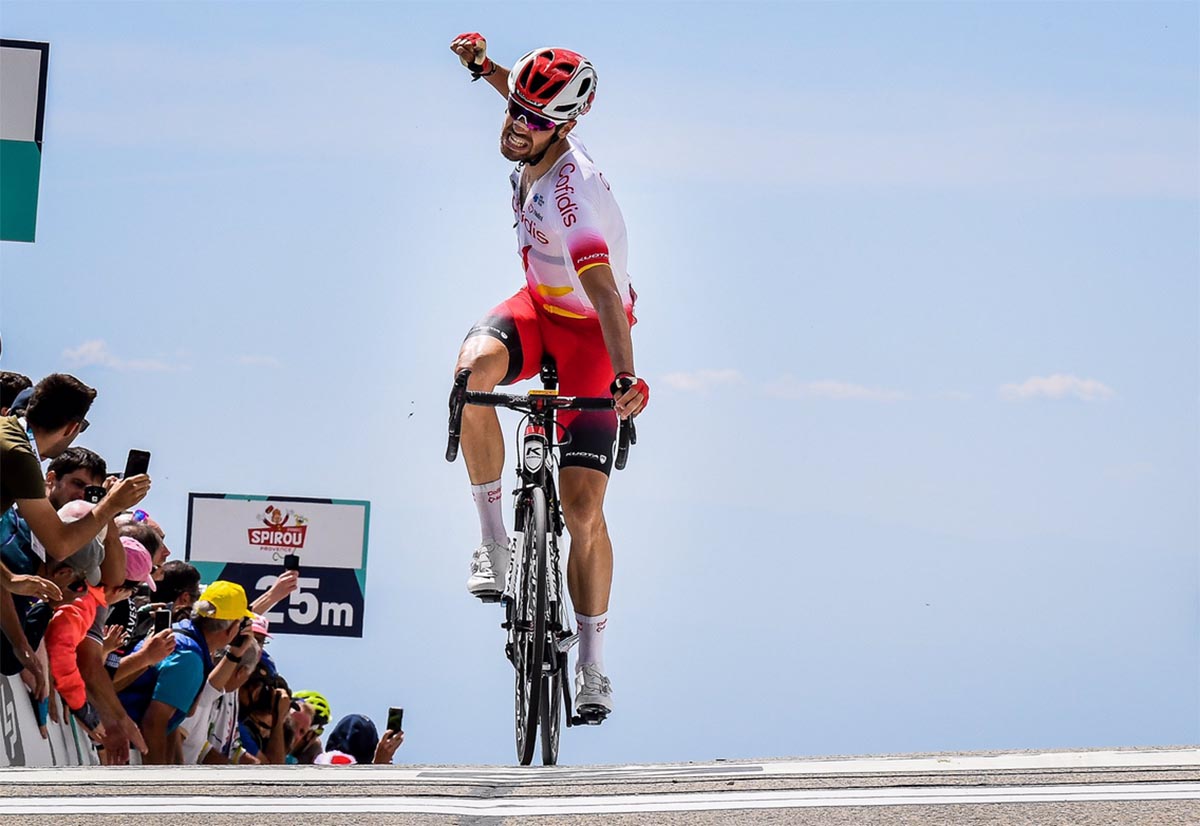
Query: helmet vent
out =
(551, 90)
(583, 87)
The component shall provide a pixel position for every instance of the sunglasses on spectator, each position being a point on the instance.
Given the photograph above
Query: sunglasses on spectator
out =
(84, 424)
(78, 586)
(140, 515)
(532, 120)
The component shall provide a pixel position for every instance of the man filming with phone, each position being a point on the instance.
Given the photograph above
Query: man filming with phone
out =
(56, 416)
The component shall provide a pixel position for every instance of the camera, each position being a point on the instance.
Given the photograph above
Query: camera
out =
(243, 630)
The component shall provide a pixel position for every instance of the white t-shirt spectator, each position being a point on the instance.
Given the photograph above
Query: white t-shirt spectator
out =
(195, 728)
(223, 726)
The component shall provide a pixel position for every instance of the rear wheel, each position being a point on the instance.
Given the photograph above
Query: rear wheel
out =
(529, 643)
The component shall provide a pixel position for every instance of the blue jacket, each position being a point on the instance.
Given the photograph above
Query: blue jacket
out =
(137, 696)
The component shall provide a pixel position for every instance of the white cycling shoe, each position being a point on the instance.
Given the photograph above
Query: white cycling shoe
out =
(489, 567)
(593, 691)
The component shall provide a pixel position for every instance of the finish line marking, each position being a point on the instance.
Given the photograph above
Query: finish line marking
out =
(614, 804)
(535, 775)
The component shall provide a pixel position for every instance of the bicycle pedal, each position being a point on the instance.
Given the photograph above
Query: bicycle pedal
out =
(590, 716)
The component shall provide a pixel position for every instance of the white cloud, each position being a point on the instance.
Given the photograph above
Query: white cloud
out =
(790, 388)
(1058, 386)
(259, 361)
(96, 353)
(702, 379)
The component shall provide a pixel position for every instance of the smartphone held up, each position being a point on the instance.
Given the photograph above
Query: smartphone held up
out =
(395, 719)
(137, 463)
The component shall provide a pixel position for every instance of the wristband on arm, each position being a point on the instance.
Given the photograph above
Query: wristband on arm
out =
(627, 381)
(87, 715)
(485, 69)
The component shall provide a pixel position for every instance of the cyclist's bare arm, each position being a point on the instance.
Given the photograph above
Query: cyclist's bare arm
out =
(601, 289)
(472, 50)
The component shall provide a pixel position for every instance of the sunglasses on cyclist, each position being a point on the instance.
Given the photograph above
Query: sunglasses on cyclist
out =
(532, 120)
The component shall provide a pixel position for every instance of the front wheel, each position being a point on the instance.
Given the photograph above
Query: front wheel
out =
(529, 623)
(551, 714)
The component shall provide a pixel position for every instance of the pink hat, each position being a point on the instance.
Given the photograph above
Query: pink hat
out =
(138, 563)
(259, 625)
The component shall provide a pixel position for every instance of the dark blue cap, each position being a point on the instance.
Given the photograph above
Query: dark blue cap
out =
(354, 734)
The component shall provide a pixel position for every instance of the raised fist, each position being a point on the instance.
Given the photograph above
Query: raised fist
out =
(471, 48)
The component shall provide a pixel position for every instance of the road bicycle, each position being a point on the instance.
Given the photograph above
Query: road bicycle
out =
(535, 615)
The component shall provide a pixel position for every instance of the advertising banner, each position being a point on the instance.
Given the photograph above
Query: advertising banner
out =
(23, 65)
(247, 539)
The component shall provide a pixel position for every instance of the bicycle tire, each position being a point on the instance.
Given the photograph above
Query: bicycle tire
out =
(550, 708)
(551, 716)
(530, 648)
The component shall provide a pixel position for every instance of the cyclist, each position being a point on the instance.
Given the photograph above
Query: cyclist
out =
(577, 307)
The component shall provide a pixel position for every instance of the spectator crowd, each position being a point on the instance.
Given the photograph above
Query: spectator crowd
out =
(99, 623)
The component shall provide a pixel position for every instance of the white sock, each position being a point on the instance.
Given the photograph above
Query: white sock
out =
(591, 640)
(489, 501)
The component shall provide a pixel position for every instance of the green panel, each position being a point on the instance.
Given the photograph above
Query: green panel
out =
(20, 171)
(210, 572)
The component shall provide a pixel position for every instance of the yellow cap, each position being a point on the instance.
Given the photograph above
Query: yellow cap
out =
(228, 600)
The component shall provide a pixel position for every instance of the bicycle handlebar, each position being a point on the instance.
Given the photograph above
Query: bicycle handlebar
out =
(460, 397)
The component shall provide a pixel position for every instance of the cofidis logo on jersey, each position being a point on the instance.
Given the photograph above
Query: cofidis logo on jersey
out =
(284, 530)
(562, 194)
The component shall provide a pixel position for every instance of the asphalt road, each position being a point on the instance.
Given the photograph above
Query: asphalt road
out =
(1152, 787)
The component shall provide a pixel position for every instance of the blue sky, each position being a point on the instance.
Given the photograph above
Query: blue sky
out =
(918, 298)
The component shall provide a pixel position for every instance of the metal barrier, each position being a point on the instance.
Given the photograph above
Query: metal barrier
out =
(66, 744)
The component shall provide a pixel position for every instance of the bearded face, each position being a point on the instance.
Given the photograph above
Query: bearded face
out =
(519, 143)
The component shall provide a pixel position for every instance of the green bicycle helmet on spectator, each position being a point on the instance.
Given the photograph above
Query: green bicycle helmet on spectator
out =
(321, 711)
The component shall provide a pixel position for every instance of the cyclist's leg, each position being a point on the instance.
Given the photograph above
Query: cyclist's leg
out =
(589, 579)
(585, 370)
(590, 564)
(503, 347)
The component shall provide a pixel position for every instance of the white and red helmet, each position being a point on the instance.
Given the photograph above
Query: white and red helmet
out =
(557, 83)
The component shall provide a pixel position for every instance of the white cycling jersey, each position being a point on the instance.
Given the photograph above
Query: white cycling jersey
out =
(569, 223)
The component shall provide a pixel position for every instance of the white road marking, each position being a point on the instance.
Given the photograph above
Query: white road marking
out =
(613, 804)
(516, 776)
